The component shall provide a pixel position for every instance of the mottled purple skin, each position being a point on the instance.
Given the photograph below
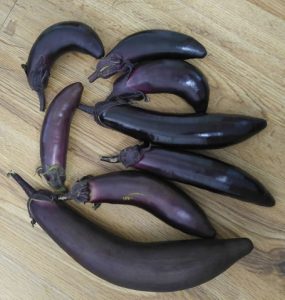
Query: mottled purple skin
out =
(199, 131)
(55, 134)
(157, 266)
(53, 42)
(165, 76)
(162, 199)
(147, 45)
(198, 170)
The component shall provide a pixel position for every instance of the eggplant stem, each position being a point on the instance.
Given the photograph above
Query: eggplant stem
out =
(86, 108)
(39, 171)
(64, 197)
(55, 176)
(42, 99)
(109, 66)
(111, 159)
(96, 205)
(145, 97)
(28, 189)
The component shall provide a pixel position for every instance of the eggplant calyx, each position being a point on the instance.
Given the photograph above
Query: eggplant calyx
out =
(55, 176)
(132, 155)
(128, 156)
(109, 66)
(80, 191)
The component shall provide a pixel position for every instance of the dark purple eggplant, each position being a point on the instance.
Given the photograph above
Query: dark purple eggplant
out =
(147, 45)
(195, 169)
(55, 135)
(164, 76)
(200, 131)
(157, 266)
(53, 42)
(162, 199)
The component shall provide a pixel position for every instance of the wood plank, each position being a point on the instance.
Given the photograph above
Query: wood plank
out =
(276, 7)
(5, 8)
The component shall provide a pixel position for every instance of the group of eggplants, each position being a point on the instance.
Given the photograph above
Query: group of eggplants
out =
(148, 62)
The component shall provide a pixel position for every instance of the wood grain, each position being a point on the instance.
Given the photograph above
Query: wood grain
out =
(245, 67)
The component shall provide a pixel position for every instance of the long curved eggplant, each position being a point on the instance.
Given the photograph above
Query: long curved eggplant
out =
(200, 131)
(147, 45)
(158, 266)
(55, 135)
(195, 169)
(164, 76)
(53, 42)
(162, 199)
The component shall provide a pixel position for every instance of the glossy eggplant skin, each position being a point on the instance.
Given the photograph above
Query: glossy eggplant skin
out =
(162, 199)
(53, 42)
(55, 135)
(165, 76)
(196, 169)
(157, 266)
(199, 131)
(147, 45)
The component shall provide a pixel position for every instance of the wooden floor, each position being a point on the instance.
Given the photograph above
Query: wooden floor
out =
(245, 40)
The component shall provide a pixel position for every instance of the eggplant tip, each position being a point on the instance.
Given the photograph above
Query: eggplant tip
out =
(268, 200)
(210, 234)
(247, 245)
(204, 53)
(76, 89)
(260, 124)
(206, 230)
(77, 85)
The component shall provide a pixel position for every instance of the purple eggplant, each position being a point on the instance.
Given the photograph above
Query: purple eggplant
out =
(147, 45)
(55, 135)
(200, 131)
(53, 42)
(157, 266)
(164, 76)
(162, 199)
(195, 169)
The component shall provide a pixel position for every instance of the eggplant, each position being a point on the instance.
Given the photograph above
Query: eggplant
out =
(157, 266)
(195, 169)
(164, 76)
(199, 131)
(53, 42)
(55, 135)
(147, 45)
(162, 199)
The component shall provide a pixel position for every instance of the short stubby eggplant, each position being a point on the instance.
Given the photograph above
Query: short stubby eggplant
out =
(53, 42)
(164, 76)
